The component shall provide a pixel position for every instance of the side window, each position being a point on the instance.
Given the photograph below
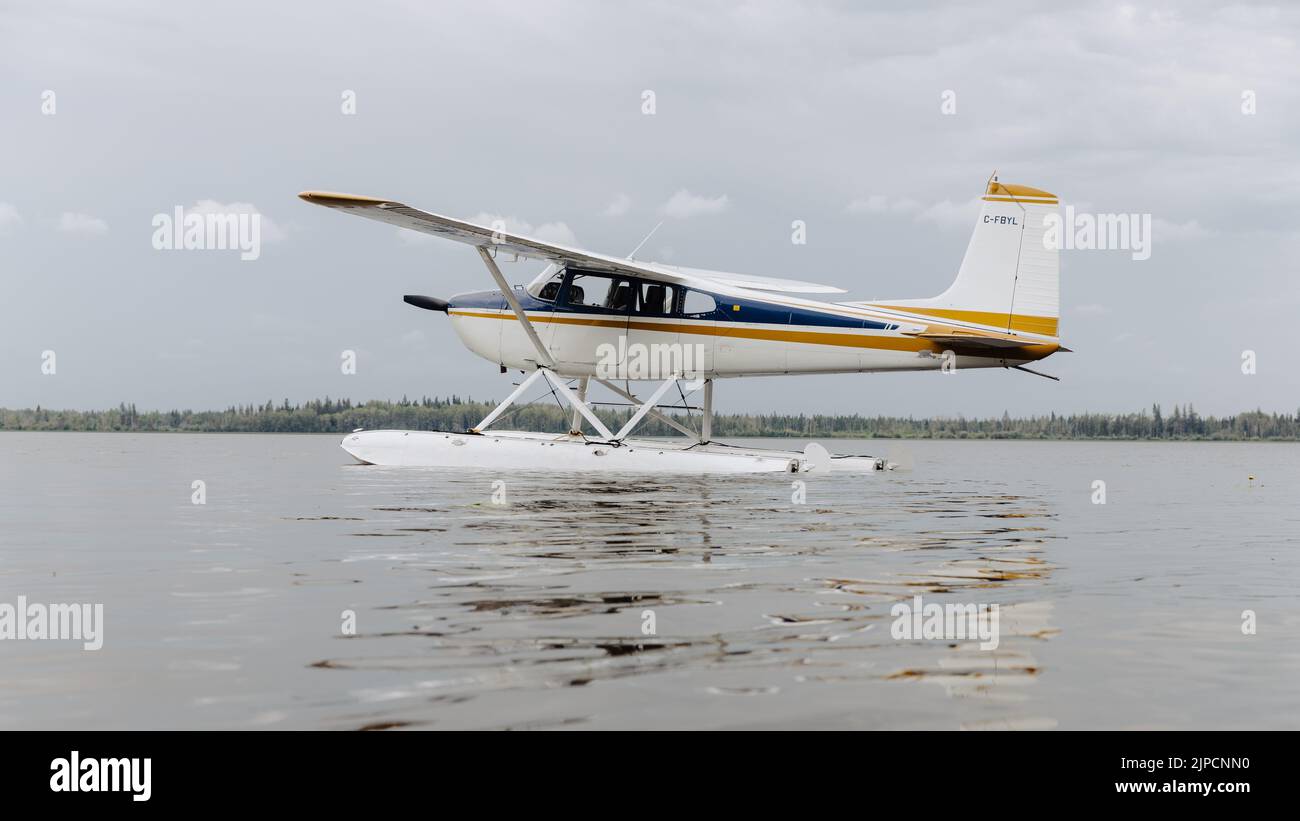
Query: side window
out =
(620, 296)
(655, 298)
(698, 303)
(599, 291)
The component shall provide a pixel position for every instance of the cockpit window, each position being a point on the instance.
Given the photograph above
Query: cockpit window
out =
(600, 291)
(550, 288)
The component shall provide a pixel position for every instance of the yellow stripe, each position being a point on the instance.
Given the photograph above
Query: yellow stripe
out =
(333, 198)
(1010, 189)
(740, 331)
(1020, 201)
(1042, 325)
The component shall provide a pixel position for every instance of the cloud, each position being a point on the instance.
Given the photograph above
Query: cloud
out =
(684, 205)
(1090, 112)
(1092, 309)
(949, 214)
(555, 232)
(946, 214)
(618, 206)
(1190, 230)
(73, 223)
(270, 231)
(9, 216)
(881, 204)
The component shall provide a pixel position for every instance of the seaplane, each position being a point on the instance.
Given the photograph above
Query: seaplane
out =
(614, 321)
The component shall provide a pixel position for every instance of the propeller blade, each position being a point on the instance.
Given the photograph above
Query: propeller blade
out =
(428, 303)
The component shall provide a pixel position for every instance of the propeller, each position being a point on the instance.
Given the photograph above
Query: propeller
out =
(428, 303)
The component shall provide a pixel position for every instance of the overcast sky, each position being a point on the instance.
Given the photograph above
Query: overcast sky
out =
(765, 113)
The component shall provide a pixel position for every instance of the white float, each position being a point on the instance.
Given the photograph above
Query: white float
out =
(524, 450)
(573, 451)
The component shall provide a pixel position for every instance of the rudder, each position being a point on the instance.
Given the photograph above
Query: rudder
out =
(1009, 278)
(1008, 271)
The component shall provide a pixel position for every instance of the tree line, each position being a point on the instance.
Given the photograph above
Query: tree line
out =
(457, 414)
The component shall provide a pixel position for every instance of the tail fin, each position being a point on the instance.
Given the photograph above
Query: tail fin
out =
(1009, 279)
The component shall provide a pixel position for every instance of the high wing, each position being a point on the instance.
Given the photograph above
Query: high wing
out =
(404, 216)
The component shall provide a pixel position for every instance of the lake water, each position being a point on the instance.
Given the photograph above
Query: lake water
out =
(766, 613)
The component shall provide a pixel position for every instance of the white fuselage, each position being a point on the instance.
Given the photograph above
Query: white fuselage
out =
(747, 333)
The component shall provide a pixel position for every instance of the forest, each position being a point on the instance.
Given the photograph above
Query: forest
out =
(457, 414)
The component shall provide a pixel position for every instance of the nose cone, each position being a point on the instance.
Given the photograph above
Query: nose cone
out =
(428, 303)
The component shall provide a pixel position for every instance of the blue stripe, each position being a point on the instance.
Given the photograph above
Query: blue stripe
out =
(751, 311)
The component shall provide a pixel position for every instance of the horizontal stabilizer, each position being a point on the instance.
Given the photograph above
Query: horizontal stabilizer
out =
(974, 341)
(984, 341)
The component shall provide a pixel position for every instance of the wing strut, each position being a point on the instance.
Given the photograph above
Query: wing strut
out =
(543, 356)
